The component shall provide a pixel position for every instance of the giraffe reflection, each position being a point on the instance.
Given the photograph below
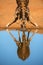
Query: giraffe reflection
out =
(23, 48)
(23, 43)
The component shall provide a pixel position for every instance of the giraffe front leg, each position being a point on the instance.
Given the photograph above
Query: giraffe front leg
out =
(33, 34)
(35, 24)
(17, 13)
(30, 38)
(29, 17)
(17, 42)
(10, 23)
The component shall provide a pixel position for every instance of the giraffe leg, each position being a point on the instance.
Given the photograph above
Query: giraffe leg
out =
(15, 18)
(29, 17)
(33, 34)
(10, 23)
(17, 42)
(11, 35)
(35, 24)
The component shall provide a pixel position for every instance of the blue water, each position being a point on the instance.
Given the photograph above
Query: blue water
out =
(8, 50)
